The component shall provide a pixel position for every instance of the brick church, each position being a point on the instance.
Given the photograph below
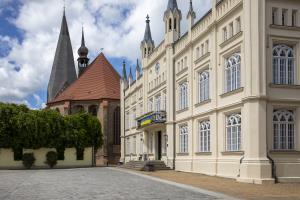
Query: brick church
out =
(96, 90)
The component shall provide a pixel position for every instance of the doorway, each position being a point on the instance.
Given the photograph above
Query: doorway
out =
(159, 145)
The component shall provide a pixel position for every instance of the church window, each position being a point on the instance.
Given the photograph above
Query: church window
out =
(175, 24)
(117, 139)
(204, 137)
(233, 73)
(233, 132)
(203, 86)
(170, 24)
(283, 65)
(93, 110)
(183, 96)
(183, 139)
(283, 128)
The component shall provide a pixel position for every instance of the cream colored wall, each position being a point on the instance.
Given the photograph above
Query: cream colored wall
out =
(7, 158)
(255, 100)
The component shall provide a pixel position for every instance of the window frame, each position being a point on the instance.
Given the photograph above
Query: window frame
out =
(204, 137)
(233, 68)
(183, 138)
(233, 140)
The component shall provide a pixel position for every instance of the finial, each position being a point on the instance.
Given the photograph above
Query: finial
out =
(64, 6)
(148, 20)
(101, 50)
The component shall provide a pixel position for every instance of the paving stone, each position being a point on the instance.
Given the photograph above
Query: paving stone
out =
(86, 184)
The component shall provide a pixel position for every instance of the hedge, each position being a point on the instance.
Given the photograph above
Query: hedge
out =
(21, 127)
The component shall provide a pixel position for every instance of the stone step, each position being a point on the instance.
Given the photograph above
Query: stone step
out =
(140, 165)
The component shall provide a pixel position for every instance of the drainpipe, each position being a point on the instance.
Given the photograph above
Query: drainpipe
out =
(268, 155)
(241, 160)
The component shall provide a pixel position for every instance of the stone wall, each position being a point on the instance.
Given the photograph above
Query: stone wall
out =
(7, 158)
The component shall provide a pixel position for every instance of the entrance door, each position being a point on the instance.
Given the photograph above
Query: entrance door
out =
(159, 145)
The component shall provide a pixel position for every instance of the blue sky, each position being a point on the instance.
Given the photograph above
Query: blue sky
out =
(29, 32)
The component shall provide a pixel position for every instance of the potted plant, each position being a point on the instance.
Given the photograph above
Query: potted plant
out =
(28, 160)
(51, 158)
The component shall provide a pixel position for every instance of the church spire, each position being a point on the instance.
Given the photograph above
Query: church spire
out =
(172, 5)
(63, 70)
(147, 45)
(191, 11)
(147, 35)
(130, 77)
(124, 75)
(83, 51)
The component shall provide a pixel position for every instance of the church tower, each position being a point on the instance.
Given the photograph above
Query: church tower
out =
(172, 19)
(63, 70)
(147, 45)
(83, 60)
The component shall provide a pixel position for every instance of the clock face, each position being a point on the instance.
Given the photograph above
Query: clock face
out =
(157, 66)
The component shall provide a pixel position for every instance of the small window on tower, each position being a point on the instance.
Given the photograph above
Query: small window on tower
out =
(175, 24)
(170, 24)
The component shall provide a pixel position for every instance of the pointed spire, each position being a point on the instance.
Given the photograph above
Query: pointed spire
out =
(147, 35)
(172, 5)
(138, 69)
(124, 71)
(83, 50)
(130, 74)
(191, 12)
(63, 70)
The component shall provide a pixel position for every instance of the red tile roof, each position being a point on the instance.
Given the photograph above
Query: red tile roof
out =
(99, 81)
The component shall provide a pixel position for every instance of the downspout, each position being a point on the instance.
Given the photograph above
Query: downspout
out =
(174, 111)
(268, 155)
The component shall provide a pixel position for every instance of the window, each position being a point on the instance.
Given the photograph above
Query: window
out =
(233, 133)
(294, 18)
(170, 24)
(284, 17)
(283, 65)
(202, 50)
(127, 146)
(158, 103)
(183, 96)
(204, 137)
(175, 24)
(127, 121)
(233, 73)
(225, 34)
(133, 121)
(164, 100)
(93, 110)
(203, 91)
(134, 145)
(230, 30)
(274, 15)
(141, 109)
(183, 139)
(185, 62)
(207, 46)
(150, 105)
(238, 25)
(197, 52)
(117, 139)
(284, 128)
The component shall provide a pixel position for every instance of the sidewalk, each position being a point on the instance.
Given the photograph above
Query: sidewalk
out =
(230, 186)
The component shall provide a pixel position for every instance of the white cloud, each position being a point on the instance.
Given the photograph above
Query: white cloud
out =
(115, 25)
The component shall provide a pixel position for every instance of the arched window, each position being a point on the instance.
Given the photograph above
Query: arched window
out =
(283, 65)
(204, 137)
(117, 131)
(233, 132)
(183, 96)
(203, 86)
(233, 73)
(170, 24)
(175, 23)
(93, 110)
(183, 139)
(283, 126)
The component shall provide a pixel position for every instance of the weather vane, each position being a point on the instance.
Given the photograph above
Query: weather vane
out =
(101, 49)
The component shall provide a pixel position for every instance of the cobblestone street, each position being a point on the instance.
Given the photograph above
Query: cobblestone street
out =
(90, 183)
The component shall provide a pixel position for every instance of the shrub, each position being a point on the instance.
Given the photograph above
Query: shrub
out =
(51, 159)
(28, 160)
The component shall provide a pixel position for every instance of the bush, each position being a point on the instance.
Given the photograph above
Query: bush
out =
(51, 159)
(28, 160)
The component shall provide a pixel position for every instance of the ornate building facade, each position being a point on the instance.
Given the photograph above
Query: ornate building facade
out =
(223, 98)
(96, 90)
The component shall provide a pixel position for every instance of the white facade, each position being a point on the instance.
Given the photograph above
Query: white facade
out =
(230, 90)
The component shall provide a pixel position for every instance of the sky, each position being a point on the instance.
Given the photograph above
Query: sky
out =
(29, 31)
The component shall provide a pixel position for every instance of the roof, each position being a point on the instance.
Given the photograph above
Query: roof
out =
(63, 71)
(99, 81)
